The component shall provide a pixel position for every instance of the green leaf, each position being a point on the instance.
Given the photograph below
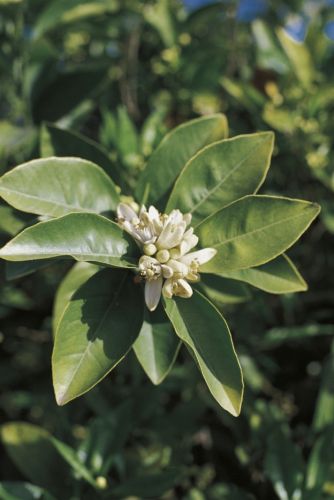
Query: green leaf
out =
(157, 346)
(33, 453)
(177, 147)
(18, 490)
(16, 270)
(161, 18)
(97, 329)
(10, 221)
(70, 456)
(59, 94)
(57, 186)
(269, 53)
(279, 335)
(324, 409)
(299, 57)
(203, 329)
(277, 276)
(85, 237)
(59, 142)
(284, 466)
(319, 464)
(223, 291)
(61, 12)
(126, 139)
(222, 173)
(73, 280)
(253, 231)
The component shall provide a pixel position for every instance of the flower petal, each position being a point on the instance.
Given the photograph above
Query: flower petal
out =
(189, 241)
(178, 267)
(167, 271)
(126, 212)
(200, 257)
(171, 235)
(153, 293)
(167, 289)
(183, 289)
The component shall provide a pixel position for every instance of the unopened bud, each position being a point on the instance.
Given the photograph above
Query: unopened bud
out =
(162, 256)
(149, 249)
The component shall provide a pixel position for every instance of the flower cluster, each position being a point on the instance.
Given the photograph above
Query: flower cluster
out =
(165, 240)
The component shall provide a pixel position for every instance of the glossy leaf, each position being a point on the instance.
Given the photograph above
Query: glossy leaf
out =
(33, 453)
(59, 142)
(277, 276)
(177, 147)
(203, 329)
(97, 329)
(157, 346)
(73, 280)
(222, 173)
(222, 290)
(57, 186)
(253, 231)
(85, 237)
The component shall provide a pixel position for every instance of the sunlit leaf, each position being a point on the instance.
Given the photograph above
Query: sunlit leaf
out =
(203, 329)
(98, 327)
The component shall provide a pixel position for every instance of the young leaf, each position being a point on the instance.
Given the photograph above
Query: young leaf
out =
(157, 346)
(73, 280)
(177, 147)
(253, 231)
(277, 276)
(200, 325)
(85, 237)
(222, 173)
(97, 329)
(57, 186)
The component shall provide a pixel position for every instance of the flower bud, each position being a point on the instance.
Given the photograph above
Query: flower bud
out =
(149, 249)
(162, 256)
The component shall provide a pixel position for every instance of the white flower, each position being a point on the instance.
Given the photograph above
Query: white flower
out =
(165, 242)
(144, 227)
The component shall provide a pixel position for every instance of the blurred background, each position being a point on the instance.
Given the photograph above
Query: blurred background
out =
(105, 80)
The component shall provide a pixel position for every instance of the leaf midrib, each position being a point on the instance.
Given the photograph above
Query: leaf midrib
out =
(217, 186)
(43, 200)
(90, 342)
(258, 230)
